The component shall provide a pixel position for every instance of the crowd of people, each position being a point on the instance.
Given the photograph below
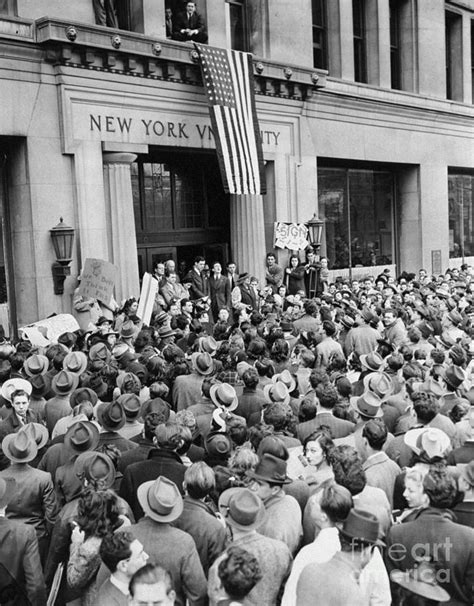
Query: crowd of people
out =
(298, 442)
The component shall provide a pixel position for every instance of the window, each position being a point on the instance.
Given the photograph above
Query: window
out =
(357, 206)
(453, 56)
(359, 32)
(237, 33)
(472, 58)
(461, 216)
(8, 7)
(320, 58)
(395, 65)
(183, 193)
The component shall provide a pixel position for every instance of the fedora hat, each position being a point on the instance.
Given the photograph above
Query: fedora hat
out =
(36, 364)
(38, 433)
(270, 469)
(98, 385)
(367, 315)
(64, 383)
(241, 279)
(81, 437)
(166, 331)
(347, 321)
(286, 378)
(276, 392)
(422, 581)
(380, 383)
(162, 318)
(430, 385)
(75, 362)
(362, 526)
(372, 361)
(83, 394)
(19, 447)
(241, 508)
(429, 440)
(129, 379)
(131, 404)
(7, 491)
(111, 416)
(207, 345)
(99, 351)
(454, 376)
(160, 499)
(128, 330)
(202, 363)
(223, 395)
(217, 444)
(12, 385)
(40, 386)
(95, 467)
(368, 404)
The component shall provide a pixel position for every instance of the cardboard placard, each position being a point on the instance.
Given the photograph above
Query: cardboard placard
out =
(147, 298)
(44, 332)
(98, 280)
(291, 235)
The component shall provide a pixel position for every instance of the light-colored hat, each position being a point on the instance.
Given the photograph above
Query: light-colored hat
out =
(76, 362)
(36, 364)
(429, 440)
(276, 392)
(223, 395)
(372, 361)
(202, 363)
(12, 385)
(160, 499)
(379, 383)
(286, 378)
(368, 405)
(37, 432)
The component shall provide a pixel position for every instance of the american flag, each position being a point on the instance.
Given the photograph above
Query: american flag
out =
(228, 80)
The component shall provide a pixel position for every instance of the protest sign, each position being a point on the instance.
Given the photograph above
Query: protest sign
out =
(291, 235)
(147, 298)
(98, 280)
(44, 332)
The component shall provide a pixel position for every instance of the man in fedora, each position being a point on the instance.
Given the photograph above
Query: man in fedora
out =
(132, 408)
(433, 533)
(111, 417)
(34, 500)
(163, 460)
(187, 388)
(243, 512)
(336, 582)
(371, 362)
(21, 574)
(63, 384)
(167, 546)
(454, 377)
(282, 518)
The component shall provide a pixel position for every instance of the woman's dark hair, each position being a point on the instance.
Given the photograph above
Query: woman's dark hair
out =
(323, 437)
(265, 368)
(98, 512)
(256, 433)
(347, 467)
(425, 405)
(280, 350)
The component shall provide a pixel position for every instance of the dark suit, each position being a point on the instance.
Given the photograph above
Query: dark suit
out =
(220, 294)
(19, 557)
(109, 595)
(159, 463)
(193, 22)
(339, 428)
(199, 285)
(449, 544)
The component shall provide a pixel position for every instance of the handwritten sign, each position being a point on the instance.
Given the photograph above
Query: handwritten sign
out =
(44, 332)
(98, 280)
(291, 235)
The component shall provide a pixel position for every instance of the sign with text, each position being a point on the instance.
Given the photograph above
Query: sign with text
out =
(142, 126)
(291, 235)
(98, 280)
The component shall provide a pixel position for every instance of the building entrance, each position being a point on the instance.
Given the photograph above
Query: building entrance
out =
(181, 209)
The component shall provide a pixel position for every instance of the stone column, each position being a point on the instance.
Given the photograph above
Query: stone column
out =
(121, 221)
(248, 234)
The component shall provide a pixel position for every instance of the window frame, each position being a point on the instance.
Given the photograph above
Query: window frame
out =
(245, 35)
(322, 30)
(359, 41)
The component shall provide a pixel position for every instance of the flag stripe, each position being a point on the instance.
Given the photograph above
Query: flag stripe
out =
(228, 82)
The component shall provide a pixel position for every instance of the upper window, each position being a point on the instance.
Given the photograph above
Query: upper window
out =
(360, 43)
(461, 216)
(395, 63)
(320, 57)
(237, 30)
(453, 56)
(8, 7)
(472, 57)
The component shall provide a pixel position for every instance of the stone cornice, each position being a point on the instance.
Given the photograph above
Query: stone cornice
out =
(136, 55)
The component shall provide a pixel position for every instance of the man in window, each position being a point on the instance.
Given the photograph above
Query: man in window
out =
(105, 13)
(189, 26)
